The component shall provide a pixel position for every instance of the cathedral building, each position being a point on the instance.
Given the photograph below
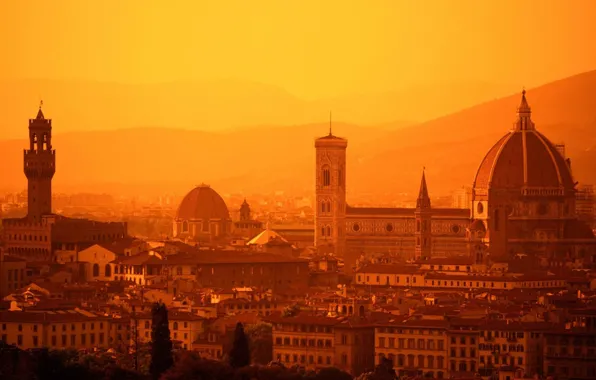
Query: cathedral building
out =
(203, 217)
(523, 201)
(415, 232)
(41, 235)
(524, 198)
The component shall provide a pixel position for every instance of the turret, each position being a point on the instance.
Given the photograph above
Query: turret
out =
(39, 166)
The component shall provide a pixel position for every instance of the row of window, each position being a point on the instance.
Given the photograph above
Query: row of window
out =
(422, 344)
(420, 361)
(301, 359)
(28, 237)
(321, 343)
(453, 283)
(35, 328)
(63, 340)
(303, 328)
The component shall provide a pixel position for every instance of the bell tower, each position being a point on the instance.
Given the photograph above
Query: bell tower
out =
(39, 167)
(423, 213)
(330, 190)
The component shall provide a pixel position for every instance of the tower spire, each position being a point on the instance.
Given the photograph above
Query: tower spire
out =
(423, 200)
(40, 113)
(330, 132)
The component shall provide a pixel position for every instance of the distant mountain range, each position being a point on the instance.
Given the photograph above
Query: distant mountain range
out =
(279, 155)
(217, 105)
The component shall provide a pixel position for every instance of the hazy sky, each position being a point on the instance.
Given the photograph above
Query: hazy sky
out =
(310, 48)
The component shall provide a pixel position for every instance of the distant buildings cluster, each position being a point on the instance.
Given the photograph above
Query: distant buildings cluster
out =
(500, 285)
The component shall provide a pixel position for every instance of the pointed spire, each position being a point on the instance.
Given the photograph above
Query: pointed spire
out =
(330, 132)
(423, 200)
(40, 113)
(524, 115)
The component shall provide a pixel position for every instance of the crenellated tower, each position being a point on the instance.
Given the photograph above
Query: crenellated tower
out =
(39, 167)
(423, 214)
(330, 208)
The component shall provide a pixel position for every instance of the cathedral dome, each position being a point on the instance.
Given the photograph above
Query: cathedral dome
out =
(524, 158)
(202, 203)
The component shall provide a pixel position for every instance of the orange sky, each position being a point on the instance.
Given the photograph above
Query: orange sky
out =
(310, 48)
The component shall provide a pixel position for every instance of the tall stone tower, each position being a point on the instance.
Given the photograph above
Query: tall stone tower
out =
(423, 213)
(39, 166)
(330, 208)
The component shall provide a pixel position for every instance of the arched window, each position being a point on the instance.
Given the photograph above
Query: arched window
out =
(328, 206)
(326, 176)
(328, 231)
(108, 271)
(185, 226)
(95, 270)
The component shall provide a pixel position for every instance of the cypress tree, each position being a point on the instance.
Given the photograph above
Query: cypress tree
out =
(240, 352)
(161, 344)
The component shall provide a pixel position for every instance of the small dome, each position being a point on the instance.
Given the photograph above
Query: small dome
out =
(202, 203)
(524, 158)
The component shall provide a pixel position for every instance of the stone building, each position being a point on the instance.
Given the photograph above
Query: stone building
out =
(41, 233)
(523, 201)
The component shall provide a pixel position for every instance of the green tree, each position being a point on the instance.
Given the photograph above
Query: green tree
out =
(161, 343)
(240, 352)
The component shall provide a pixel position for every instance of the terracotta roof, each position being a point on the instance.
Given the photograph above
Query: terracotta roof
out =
(202, 203)
(265, 237)
(119, 246)
(524, 157)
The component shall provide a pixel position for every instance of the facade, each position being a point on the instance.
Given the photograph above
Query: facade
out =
(522, 201)
(569, 352)
(316, 342)
(39, 235)
(222, 269)
(72, 329)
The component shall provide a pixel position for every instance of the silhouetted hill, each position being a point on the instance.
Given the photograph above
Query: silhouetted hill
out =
(214, 105)
(156, 160)
(382, 160)
(452, 147)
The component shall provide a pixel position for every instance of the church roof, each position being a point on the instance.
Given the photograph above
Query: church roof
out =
(202, 203)
(265, 237)
(524, 158)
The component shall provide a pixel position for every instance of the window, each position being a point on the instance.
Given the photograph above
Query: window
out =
(326, 176)
(108, 270)
(95, 270)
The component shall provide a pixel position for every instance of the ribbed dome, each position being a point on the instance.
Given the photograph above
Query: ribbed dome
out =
(202, 203)
(523, 158)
